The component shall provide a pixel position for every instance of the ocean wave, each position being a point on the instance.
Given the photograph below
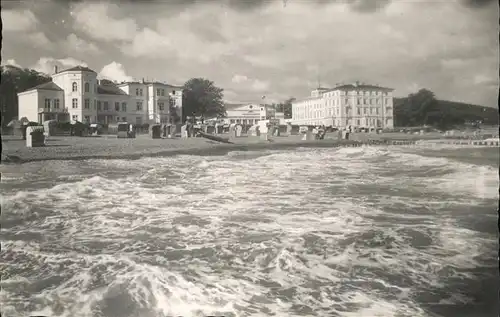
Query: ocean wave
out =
(333, 232)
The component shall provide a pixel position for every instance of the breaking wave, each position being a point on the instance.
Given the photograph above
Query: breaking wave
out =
(314, 232)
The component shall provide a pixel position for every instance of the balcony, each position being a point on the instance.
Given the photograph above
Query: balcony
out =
(52, 110)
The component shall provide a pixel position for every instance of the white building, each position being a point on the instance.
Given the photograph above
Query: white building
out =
(250, 114)
(76, 94)
(355, 105)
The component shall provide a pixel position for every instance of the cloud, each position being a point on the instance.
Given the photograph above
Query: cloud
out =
(264, 47)
(254, 84)
(12, 62)
(237, 79)
(46, 64)
(114, 71)
(96, 20)
(74, 43)
(482, 79)
(22, 20)
(39, 40)
(259, 85)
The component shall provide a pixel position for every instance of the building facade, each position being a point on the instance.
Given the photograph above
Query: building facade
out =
(250, 114)
(351, 105)
(76, 94)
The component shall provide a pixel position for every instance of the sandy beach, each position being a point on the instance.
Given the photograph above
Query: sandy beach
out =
(109, 147)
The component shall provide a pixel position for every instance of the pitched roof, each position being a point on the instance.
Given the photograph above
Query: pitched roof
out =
(78, 68)
(46, 86)
(233, 105)
(109, 89)
(147, 83)
(360, 86)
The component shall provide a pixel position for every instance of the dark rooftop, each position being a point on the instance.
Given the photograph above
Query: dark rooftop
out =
(46, 86)
(77, 68)
(149, 83)
(360, 86)
(109, 89)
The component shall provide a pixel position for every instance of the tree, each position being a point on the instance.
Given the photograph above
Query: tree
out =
(286, 107)
(15, 80)
(202, 98)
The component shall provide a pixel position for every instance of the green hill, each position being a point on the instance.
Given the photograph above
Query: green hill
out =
(422, 108)
(15, 80)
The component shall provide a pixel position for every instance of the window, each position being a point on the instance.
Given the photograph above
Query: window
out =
(95, 104)
(124, 106)
(140, 91)
(105, 106)
(98, 105)
(359, 111)
(95, 88)
(117, 106)
(124, 119)
(137, 91)
(358, 123)
(87, 104)
(74, 103)
(364, 110)
(232, 121)
(87, 119)
(74, 117)
(87, 87)
(139, 105)
(158, 91)
(376, 110)
(138, 120)
(161, 106)
(47, 103)
(173, 92)
(163, 92)
(56, 103)
(117, 119)
(74, 86)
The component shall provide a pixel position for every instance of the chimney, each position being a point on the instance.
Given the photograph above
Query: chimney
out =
(143, 80)
(55, 69)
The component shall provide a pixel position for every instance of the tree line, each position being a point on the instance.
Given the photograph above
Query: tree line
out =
(423, 108)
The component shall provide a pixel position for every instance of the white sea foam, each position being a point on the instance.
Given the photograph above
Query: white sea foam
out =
(316, 232)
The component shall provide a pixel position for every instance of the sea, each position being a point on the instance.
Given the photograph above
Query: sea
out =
(365, 231)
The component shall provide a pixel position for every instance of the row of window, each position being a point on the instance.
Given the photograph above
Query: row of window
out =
(359, 93)
(348, 122)
(104, 105)
(74, 87)
(104, 119)
(55, 103)
(336, 102)
(138, 91)
(331, 112)
(244, 121)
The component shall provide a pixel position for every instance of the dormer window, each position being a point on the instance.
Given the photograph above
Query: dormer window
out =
(74, 87)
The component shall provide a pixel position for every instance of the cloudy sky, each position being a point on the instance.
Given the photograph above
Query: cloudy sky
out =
(253, 48)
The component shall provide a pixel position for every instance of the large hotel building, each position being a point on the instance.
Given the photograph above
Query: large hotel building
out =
(348, 105)
(76, 94)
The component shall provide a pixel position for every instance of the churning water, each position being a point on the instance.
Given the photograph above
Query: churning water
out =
(313, 232)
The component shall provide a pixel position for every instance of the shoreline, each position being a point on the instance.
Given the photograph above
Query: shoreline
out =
(198, 146)
(14, 150)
